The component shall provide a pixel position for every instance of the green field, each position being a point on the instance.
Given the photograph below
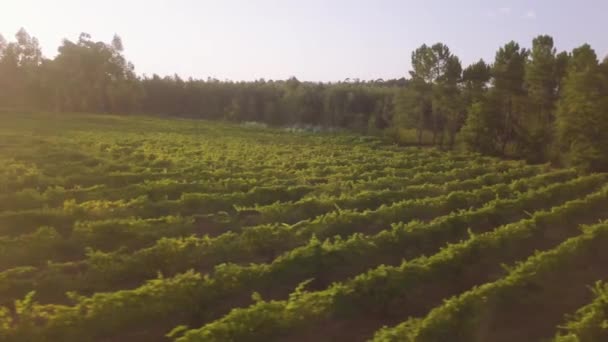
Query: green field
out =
(118, 228)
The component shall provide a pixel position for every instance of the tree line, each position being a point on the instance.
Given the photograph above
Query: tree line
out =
(93, 76)
(537, 104)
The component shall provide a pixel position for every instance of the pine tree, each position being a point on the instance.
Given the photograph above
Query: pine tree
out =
(582, 115)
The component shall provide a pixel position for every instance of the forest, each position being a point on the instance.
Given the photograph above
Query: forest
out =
(536, 104)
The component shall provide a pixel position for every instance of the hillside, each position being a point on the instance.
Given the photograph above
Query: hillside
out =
(119, 228)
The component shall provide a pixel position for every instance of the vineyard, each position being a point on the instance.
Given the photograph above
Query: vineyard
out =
(118, 228)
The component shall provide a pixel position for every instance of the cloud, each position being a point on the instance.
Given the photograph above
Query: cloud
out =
(530, 14)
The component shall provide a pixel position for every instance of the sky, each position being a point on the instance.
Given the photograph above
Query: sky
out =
(313, 40)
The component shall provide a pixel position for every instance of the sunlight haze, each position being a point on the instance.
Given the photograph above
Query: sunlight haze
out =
(315, 40)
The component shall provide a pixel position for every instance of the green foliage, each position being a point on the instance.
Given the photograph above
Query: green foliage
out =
(481, 132)
(388, 289)
(581, 118)
(541, 80)
(589, 323)
(242, 232)
(432, 100)
(520, 106)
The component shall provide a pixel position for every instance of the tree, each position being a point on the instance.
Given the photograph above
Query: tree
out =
(495, 116)
(95, 76)
(28, 49)
(384, 109)
(20, 71)
(582, 114)
(335, 105)
(447, 100)
(478, 110)
(475, 80)
(540, 79)
(508, 84)
(561, 67)
(10, 76)
(413, 108)
(434, 85)
(3, 45)
(541, 82)
(117, 43)
(483, 128)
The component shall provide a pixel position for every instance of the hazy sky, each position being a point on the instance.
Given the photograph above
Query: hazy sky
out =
(324, 40)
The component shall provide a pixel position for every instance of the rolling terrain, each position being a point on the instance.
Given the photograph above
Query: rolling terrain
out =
(119, 228)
